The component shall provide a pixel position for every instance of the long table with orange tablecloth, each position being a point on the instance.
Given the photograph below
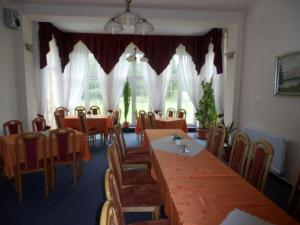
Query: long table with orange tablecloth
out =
(100, 123)
(8, 152)
(165, 123)
(201, 190)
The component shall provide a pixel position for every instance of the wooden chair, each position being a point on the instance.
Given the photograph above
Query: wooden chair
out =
(130, 161)
(47, 127)
(30, 146)
(116, 113)
(59, 119)
(144, 122)
(39, 124)
(89, 131)
(171, 112)
(259, 162)
(12, 127)
(151, 120)
(127, 177)
(112, 214)
(63, 152)
(95, 110)
(209, 136)
(141, 198)
(181, 113)
(63, 110)
(239, 152)
(294, 202)
(80, 109)
(217, 142)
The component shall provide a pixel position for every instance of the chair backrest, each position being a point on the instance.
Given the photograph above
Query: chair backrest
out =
(62, 145)
(34, 152)
(116, 116)
(82, 120)
(294, 202)
(259, 162)
(95, 110)
(217, 141)
(79, 109)
(119, 140)
(210, 136)
(136, 114)
(151, 120)
(171, 112)
(12, 127)
(114, 162)
(143, 119)
(239, 152)
(108, 214)
(63, 110)
(38, 124)
(181, 113)
(59, 116)
(112, 192)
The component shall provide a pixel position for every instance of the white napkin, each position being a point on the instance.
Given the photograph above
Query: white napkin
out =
(239, 217)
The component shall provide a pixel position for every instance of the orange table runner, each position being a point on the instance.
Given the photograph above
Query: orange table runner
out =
(94, 122)
(201, 190)
(7, 149)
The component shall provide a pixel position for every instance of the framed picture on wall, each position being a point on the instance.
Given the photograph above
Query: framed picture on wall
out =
(287, 74)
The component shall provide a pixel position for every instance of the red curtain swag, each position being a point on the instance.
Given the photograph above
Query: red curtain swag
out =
(108, 48)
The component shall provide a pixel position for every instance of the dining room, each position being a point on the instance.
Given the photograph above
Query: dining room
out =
(108, 101)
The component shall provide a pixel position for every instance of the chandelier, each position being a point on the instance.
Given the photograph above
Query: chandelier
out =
(127, 19)
(133, 57)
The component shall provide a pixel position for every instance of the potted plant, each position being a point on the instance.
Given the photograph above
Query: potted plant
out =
(227, 143)
(126, 95)
(206, 112)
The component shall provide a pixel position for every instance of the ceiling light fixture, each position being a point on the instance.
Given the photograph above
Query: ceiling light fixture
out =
(128, 18)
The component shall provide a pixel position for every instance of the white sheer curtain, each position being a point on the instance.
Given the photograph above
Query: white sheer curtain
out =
(75, 75)
(156, 86)
(192, 81)
(51, 84)
(112, 85)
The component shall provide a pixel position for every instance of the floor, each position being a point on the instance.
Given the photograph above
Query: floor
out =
(82, 206)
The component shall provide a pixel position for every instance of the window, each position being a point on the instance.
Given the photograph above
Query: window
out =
(177, 96)
(139, 97)
(91, 94)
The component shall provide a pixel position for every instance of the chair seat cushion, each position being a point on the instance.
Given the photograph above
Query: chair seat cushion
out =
(141, 196)
(137, 150)
(137, 159)
(153, 222)
(137, 177)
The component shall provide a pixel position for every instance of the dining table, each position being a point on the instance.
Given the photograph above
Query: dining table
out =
(199, 189)
(101, 123)
(8, 150)
(165, 123)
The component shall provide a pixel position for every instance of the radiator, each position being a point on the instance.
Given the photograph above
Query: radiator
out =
(279, 145)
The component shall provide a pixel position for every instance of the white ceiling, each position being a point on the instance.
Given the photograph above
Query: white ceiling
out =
(162, 26)
(159, 4)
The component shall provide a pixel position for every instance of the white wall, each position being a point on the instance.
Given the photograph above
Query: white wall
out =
(8, 75)
(272, 28)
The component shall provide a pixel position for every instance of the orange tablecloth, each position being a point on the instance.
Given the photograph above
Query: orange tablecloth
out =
(165, 123)
(7, 149)
(201, 190)
(98, 122)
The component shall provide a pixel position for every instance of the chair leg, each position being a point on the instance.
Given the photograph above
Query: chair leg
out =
(52, 178)
(156, 213)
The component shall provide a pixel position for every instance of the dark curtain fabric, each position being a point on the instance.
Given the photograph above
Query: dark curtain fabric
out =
(108, 48)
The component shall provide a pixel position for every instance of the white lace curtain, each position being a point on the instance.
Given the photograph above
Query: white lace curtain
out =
(66, 89)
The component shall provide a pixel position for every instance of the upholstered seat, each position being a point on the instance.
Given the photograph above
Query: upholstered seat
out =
(141, 198)
(127, 177)
(153, 222)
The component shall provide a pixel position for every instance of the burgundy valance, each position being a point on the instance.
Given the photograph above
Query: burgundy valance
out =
(108, 48)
